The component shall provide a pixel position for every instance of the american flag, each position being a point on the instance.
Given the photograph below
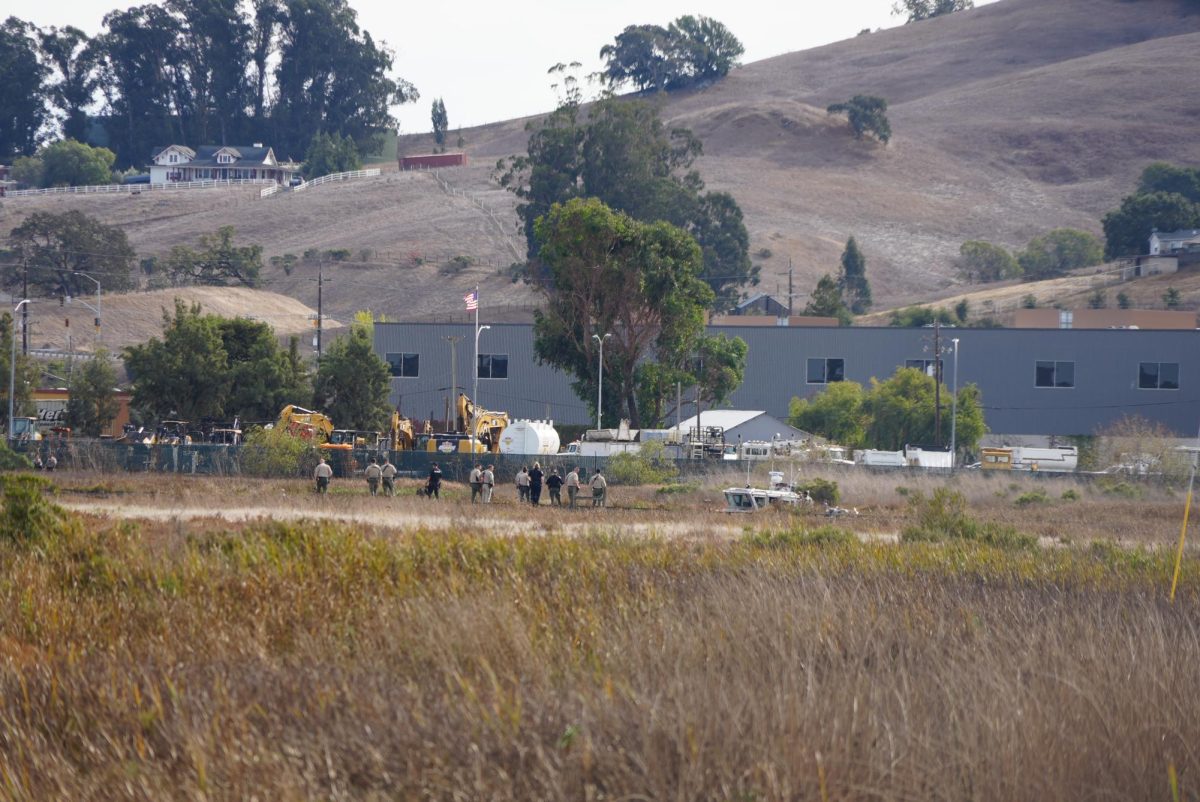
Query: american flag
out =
(472, 299)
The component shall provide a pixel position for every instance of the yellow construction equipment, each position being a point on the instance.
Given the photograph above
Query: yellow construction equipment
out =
(488, 426)
(305, 424)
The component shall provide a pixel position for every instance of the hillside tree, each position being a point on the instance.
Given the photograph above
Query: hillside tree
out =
(1164, 177)
(918, 10)
(867, 114)
(67, 163)
(624, 155)
(69, 52)
(1058, 251)
(611, 274)
(22, 90)
(901, 410)
(852, 279)
(441, 122)
(330, 153)
(689, 50)
(56, 247)
(984, 262)
(217, 261)
(352, 383)
(93, 403)
(827, 301)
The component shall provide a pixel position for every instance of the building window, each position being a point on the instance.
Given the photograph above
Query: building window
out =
(1055, 374)
(493, 366)
(1158, 376)
(404, 366)
(924, 365)
(174, 158)
(1066, 319)
(824, 371)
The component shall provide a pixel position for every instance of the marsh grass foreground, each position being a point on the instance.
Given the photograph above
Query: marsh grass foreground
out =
(311, 660)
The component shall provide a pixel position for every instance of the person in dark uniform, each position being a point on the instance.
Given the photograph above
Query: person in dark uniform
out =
(535, 484)
(434, 485)
(554, 484)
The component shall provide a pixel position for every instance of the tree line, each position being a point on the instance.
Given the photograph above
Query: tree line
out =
(199, 72)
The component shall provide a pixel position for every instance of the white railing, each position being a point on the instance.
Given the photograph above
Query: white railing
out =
(325, 179)
(267, 192)
(105, 189)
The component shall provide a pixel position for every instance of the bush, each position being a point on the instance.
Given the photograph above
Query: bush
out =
(823, 491)
(27, 515)
(671, 490)
(1120, 489)
(1032, 497)
(1070, 495)
(943, 516)
(11, 460)
(338, 254)
(275, 453)
(790, 538)
(648, 466)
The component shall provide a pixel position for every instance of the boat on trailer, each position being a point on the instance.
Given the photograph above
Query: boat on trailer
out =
(754, 499)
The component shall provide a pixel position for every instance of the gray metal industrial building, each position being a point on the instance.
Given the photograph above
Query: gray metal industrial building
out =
(1033, 381)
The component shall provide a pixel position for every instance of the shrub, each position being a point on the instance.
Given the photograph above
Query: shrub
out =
(823, 491)
(274, 452)
(943, 516)
(338, 254)
(670, 490)
(11, 460)
(1120, 489)
(456, 265)
(1070, 495)
(27, 515)
(798, 536)
(1032, 497)
(648, 466)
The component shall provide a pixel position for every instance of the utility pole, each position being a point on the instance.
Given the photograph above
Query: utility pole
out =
(25, 308)
(790, 296)
(320, 309)
(453, 339)
(937, 383)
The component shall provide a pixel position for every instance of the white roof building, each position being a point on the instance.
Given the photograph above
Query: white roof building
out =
(744, 425)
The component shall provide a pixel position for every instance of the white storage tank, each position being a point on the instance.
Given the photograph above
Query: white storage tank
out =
(529, 437)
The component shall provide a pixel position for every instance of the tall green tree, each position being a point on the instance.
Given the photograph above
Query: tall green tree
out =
(1127, 229)
(217, 261)
(22, 90)
(441, 122)
(330, 153)
(27, 371)
(67, 163)
(1058, 251)
(1164, 177)
(867, 115)
(332, 76)
(611, 274)
(352, 383)
(93, 403)
(689, 50)
(70, 54)
(827, 301)
(624, 155)
(901, 411)
(918, 10)
(215, 42)
(57, 247)
(852, 280)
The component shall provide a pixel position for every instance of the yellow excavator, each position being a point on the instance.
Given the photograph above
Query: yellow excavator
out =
(305, 424)
(488, 426)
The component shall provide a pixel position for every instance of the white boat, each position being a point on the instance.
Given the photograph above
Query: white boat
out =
(753, 499)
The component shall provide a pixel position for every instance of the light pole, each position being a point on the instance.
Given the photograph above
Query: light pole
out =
(475, 388)
(97, 309)
(954, 410)
(12, 369)
(600, 378)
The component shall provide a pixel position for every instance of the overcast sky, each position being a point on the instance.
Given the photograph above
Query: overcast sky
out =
(488, 60)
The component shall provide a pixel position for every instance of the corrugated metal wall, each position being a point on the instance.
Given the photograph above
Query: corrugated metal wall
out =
(1000, 361)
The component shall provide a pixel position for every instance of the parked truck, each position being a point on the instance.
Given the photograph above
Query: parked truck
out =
(1064, 459)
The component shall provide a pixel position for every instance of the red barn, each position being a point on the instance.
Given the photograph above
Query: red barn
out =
(430, 160)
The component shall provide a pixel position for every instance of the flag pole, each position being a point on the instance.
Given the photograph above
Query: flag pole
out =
(475, 386)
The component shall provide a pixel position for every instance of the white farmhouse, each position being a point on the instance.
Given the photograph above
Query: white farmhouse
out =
(179, 163)
(1163, 243)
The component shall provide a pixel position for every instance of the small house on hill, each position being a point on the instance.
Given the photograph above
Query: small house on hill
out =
(743, 425)
(179, 163)
(761, 304)
(1169, 242)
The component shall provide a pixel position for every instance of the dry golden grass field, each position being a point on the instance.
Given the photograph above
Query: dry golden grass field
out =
(191, 638)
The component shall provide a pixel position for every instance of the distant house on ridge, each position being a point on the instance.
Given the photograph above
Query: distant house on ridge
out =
(179, 163)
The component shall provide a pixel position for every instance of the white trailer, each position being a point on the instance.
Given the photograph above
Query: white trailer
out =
(529, 437)
(928, 457)
(873, 458)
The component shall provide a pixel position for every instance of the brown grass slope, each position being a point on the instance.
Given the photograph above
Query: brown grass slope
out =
(1008, 120)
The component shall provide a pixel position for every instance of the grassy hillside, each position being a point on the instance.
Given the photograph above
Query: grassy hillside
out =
(1008, 120)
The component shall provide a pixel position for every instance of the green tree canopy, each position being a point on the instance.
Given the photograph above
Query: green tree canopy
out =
(624, 156)
(57, 247)
(852, 280)
(1163, 177)
(918, 10)
(611, 274)
(984, 262)
(836, 413)
(915, 317)
(689, 50)
(827, 301)
(330, 153)
(70, 54)
(352, 383)
(68, 163)
(217, 261)
(22, 91)
(1127, 229)
(867, 115)
(93, 404)
(1058, 251)
(207, 366)
(27, 371)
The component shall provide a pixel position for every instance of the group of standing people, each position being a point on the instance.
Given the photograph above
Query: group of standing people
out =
(482, 481)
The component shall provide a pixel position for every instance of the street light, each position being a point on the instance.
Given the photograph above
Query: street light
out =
(97, 307)
(600, 382)
(12, 366)
(475, 387)
(954, 410)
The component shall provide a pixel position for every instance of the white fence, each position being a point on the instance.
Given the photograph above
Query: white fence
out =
(106, 189)
(325, 179)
